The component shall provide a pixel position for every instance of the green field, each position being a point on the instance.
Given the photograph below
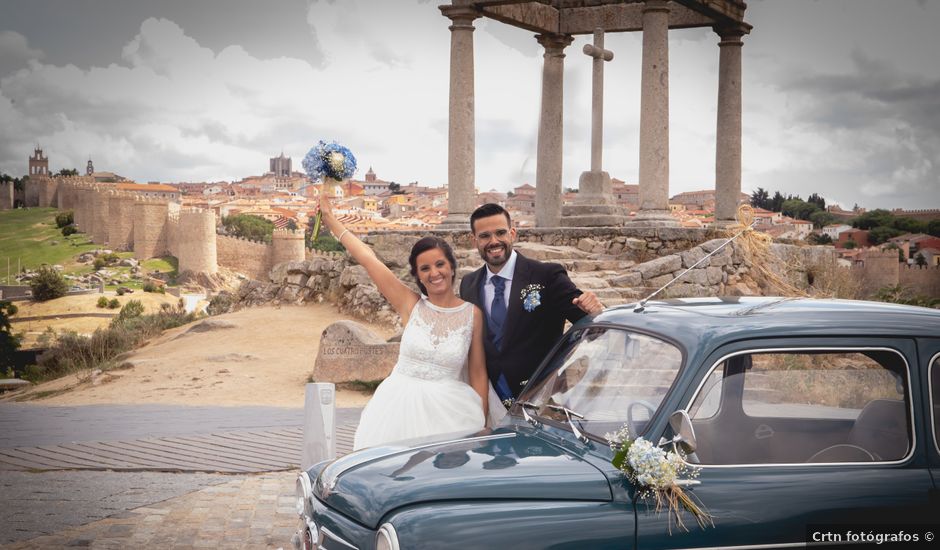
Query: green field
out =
(30, 238)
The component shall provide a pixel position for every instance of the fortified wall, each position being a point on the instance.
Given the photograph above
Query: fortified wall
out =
(151, 227)
(882, 269)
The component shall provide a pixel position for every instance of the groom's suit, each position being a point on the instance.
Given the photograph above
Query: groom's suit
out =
(527, 335)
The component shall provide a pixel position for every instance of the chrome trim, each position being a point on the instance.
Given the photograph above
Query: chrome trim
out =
(330, 484)
(930, 400)
(392, 535)
(805, 464)
(324, 532)
(307, 488)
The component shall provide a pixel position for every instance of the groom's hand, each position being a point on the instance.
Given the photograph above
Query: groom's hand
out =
(589, 303)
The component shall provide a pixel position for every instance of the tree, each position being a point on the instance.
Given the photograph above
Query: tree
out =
(910, 225)
(933, 228)
(776, 202)
(817, 200)
(250, 227)
(920, 260)
(882, 233)
(292, 225)
(849, 245)
(798, 208)
(819, 238)
(821, 219)
(760, 199)
(48, 284)
(67, 172)
(394, 187)
(874, 218)
(9, 342)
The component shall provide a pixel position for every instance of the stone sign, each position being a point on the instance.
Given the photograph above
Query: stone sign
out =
(349, 351)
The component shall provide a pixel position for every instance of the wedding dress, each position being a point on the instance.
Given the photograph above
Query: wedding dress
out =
(427, 393)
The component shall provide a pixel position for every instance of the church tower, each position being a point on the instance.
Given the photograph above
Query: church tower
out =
(38, 163)
(90, 169)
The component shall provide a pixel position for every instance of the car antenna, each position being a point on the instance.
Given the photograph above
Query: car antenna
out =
(642, 304)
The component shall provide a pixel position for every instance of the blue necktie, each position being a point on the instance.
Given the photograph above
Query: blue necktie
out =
(498, 309)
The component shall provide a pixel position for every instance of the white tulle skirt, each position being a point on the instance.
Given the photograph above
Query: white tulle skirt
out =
(405, 407)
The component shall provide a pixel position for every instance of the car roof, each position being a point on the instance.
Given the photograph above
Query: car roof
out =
(688, 320)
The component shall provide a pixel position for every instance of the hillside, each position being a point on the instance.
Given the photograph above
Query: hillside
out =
(29, 238)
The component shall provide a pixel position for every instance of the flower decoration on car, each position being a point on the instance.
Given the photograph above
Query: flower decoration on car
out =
(329, 160)
(531, 297)
(656, 474)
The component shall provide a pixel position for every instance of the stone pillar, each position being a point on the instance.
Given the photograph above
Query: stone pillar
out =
(728, 135)
(548, 169)
(654, 117)
(461, 198)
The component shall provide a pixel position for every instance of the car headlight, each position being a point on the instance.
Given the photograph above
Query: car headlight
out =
(303, 489)
(386, 538)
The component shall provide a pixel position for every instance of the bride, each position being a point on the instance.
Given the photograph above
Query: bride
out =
(441, 348)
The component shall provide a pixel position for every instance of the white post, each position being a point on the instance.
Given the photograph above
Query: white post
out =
(319, 424)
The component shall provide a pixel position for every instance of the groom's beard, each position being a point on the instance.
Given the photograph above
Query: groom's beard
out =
(499, 260)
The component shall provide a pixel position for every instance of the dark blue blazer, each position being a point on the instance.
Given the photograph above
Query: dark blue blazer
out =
(527, 336)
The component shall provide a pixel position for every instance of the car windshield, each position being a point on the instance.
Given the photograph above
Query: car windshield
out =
(609, 376)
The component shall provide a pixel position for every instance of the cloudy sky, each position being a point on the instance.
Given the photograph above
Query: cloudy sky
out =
(841, 97)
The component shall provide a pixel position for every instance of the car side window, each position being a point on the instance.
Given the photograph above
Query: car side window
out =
(786, 407)
(935, 398)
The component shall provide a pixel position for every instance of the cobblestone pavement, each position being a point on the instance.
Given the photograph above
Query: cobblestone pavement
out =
(247, 511)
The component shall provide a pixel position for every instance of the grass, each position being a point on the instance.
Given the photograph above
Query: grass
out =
(29, 238)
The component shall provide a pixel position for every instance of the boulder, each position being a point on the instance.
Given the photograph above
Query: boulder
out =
(349, 351)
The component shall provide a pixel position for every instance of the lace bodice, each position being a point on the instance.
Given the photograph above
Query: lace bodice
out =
(435, 342)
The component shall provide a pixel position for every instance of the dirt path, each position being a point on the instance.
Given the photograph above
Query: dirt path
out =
(259, 356)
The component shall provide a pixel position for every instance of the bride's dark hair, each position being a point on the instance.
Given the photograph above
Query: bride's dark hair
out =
(422, 246)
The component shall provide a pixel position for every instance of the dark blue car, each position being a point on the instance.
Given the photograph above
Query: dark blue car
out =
(810, 421)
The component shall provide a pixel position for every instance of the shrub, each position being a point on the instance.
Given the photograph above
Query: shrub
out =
(99, 263)
(69, 230)
(150, 286)
(9, 342)
(48, 284)
(114, 303)
(220, 303)
(132, 309)
(120, 291)
(102, 302)
(63, 219)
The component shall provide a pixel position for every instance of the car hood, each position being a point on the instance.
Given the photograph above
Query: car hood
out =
(504, 464)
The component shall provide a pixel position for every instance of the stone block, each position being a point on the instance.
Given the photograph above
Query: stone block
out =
(349, 351)
(689, 257)
(714, 275)
(631, 279)
(657, 282)
(696, 276)
(587, 244)
(589, 282)
(659, 266)
(354, 275)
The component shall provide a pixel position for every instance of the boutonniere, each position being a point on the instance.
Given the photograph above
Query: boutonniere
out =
(532, 297)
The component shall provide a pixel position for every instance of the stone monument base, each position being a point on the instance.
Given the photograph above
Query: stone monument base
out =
(653, 218)
(595, 205)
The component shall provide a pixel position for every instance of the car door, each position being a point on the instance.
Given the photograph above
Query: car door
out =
(793, 438)
(929, 349)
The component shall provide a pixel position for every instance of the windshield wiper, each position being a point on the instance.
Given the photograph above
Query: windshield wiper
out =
(568, 414)
(528, 405)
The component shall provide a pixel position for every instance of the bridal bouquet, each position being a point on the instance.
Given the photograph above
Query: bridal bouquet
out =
(656, 473)
(330, 163)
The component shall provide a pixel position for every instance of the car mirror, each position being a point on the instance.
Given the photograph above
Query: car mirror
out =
(684, 434)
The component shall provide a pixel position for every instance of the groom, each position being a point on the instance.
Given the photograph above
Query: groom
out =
(525, 302)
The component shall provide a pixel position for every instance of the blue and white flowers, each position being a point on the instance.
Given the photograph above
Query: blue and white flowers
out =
(655, 474)
(329, 160)
(532, 297)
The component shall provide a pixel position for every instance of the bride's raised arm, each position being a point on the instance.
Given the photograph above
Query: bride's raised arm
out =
(400, 296)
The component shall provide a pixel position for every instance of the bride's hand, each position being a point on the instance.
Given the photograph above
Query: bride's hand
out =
(325, 206)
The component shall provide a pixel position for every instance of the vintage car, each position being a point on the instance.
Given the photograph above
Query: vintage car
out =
(807, 418)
